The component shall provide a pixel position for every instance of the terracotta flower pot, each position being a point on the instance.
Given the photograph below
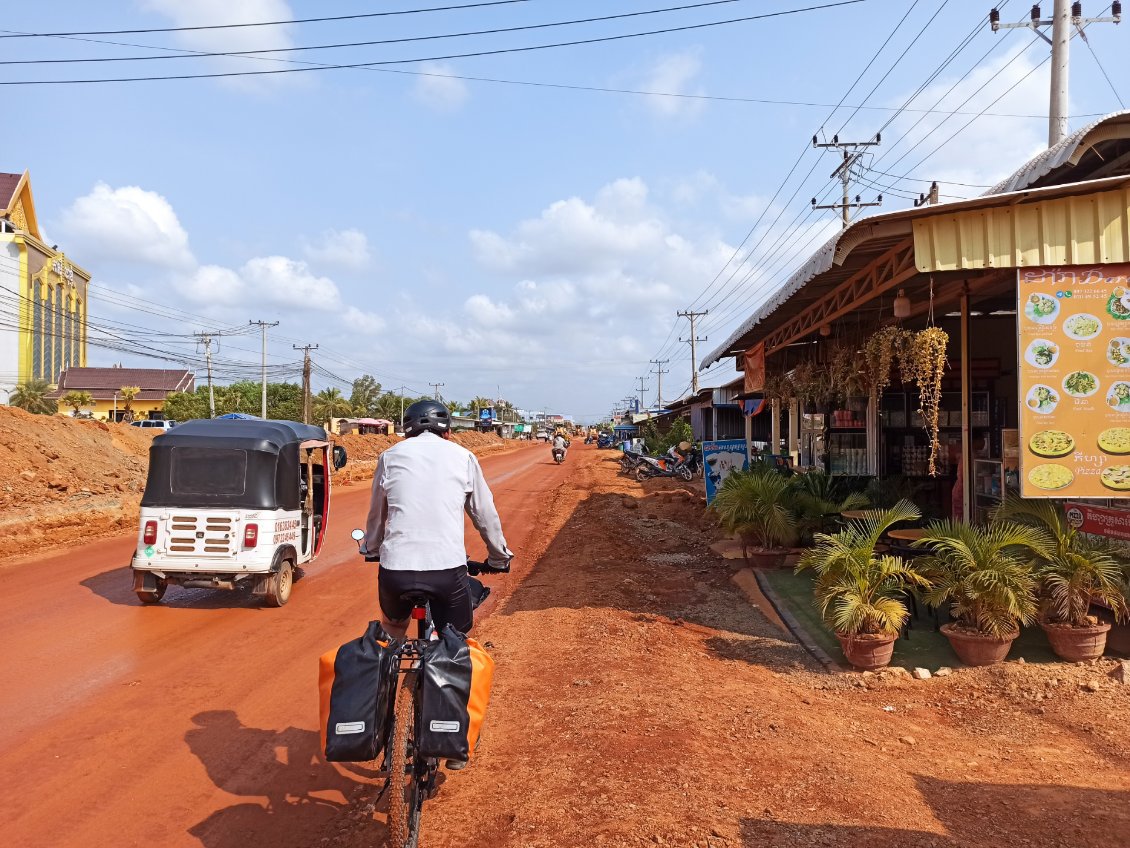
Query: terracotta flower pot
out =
(1076, 644)
(977, 648)
(866, 651)
(766, 557)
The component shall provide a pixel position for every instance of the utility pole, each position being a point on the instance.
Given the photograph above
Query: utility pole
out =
(929, 199)
(437, 387)
(402, 390)
(306, 380)
(659, 372)
(852, 154)
(206, 340)
(693, 340)
(642, 389)
(1063, 17)
(263, 325)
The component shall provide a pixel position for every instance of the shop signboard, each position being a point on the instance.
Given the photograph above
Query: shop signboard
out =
(1099, 521)
(1074, 364)
(719, 459)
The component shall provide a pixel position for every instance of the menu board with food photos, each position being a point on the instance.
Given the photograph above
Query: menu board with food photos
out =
(1074, 346)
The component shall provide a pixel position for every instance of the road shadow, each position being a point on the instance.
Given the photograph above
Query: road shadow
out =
(974, 814)
(116, 586)
(647, 554)
(294, 798)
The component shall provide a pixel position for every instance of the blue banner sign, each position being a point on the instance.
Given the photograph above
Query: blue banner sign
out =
(719, 459)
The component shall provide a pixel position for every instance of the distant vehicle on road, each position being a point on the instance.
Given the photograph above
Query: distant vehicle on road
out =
(154, 425)
(228, 501)
(543, 435)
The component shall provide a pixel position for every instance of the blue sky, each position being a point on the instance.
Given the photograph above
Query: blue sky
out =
(428, 228)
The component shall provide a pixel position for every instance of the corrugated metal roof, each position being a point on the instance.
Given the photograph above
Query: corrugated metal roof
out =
(860, 240)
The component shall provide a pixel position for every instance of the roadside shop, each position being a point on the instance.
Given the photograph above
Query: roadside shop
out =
(964, 349)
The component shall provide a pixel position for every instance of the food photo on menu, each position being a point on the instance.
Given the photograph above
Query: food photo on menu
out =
(1075, 412)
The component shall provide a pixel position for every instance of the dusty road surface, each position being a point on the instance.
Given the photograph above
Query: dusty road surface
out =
(639, 700)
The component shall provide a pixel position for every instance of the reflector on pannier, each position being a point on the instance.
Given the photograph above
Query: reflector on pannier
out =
(356, 684)
(454, 693)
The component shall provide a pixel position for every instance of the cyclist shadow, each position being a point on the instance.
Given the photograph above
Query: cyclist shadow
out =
(294, 797)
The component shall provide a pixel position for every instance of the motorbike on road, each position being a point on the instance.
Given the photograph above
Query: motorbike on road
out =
(559, 452)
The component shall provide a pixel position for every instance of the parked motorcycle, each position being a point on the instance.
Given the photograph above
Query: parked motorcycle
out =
(629, 461)
(651, 466)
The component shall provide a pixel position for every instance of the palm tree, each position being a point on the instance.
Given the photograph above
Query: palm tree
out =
(818, 500)
(1072, 567)
(329, 403)
(479, 403)
(983, 573)
(31, 397)
(77, 400)
(454, 406)
(129, 394)
(756, 506)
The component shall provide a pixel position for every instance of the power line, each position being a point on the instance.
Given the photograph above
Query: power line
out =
(263, 23)
(473, 54)
(375, 43)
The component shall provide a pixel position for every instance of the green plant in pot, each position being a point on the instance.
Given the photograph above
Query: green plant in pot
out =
(817, 501)
(1073, 570)
(861, 591)
(756, 505)
(985, 575)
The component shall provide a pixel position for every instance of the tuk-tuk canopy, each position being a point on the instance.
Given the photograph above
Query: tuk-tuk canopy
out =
(228, 464)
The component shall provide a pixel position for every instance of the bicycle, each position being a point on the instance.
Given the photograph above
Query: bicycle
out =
(410, 775)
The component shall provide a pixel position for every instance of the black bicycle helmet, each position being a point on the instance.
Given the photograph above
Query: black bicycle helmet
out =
(430, 415)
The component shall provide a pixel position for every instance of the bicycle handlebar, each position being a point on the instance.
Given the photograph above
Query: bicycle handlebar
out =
(475, 568)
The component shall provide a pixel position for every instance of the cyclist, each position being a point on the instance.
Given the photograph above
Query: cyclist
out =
(415, 526)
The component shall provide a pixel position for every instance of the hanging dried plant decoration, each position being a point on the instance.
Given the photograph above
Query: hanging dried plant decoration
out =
(929, 367)
(880, 352)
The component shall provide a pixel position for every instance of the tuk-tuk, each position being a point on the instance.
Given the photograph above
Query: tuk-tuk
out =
(230, 501)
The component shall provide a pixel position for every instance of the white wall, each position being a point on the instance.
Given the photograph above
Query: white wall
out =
(9, 312)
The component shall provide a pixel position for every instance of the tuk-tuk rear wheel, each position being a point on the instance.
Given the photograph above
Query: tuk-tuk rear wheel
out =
(153, 596)
(280, 584)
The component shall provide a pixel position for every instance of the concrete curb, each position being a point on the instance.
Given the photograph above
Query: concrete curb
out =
(796, 628)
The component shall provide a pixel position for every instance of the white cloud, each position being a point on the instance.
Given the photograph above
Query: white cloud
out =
(345, 249)
(440, 90)
(674, 74)
(127, 224)
(207, 12)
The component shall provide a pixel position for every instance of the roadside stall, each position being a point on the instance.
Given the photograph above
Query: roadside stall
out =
(961, 350)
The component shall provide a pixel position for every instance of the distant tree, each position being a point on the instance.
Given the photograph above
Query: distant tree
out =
(480, 403)
(129, 395)
(284, 401)
(455, 406)
(77, 400)
(365, 396)
(329, 403)
(31, 397)
(185, 406)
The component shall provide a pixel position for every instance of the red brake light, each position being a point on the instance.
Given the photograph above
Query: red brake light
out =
(250, 535)
(149, 537)
(418, 613)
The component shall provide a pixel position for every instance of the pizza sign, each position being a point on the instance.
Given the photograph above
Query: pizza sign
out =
(1074, 350)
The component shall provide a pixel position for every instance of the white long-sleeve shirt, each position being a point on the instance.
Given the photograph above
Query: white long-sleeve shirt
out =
(420, 490)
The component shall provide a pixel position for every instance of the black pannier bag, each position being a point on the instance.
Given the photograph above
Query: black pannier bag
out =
(454, 692)
(356, 685)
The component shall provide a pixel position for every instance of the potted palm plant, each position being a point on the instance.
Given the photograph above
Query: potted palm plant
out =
(984, 574)
(755, 505)
(861, 592)
(1073, 570)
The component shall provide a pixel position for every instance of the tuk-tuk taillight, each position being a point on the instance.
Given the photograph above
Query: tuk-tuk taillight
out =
(149, 536)
(250, 535)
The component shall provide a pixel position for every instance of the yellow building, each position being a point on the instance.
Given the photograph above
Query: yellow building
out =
(43, 295)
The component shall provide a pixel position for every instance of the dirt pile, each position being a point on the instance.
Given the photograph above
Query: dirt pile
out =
(64, 479)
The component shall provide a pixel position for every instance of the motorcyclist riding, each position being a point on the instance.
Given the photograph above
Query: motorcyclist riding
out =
(415, 526)
(560, 443)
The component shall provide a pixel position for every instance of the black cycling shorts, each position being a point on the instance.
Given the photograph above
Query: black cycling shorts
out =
(447, 591)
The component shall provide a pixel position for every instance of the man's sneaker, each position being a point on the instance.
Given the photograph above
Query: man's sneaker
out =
(456, 765)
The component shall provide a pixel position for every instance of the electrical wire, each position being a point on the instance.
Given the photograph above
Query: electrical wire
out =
(420, 59)
(1106, 76)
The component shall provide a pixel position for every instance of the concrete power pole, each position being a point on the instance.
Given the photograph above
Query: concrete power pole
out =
(437, 387)
(306, 400)
(642, 389)
(659, 372)
(206, 340)
(1064, 16)
(263, 325)
(693, 340)
(852, 154)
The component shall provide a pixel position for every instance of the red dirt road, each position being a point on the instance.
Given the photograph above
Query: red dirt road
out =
(125, 725)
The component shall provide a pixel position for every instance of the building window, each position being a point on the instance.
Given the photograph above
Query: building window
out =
(60, 308)
(37, 331)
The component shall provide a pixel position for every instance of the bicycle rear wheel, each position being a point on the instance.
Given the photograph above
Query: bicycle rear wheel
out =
(406, 786)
